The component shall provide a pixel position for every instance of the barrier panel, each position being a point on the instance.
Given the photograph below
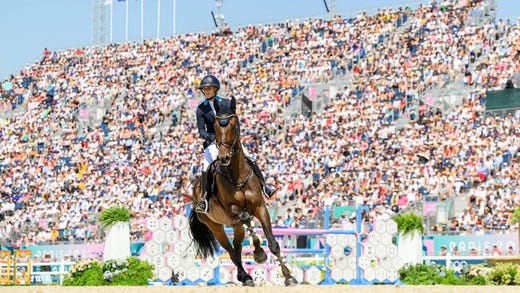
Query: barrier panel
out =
(22, 267)
(339, 256)
(6, 269)
(15, 269)
(19, 269)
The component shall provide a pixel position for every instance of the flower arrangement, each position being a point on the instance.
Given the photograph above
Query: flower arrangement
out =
(477, 275)
(85, 273)
(129, 272)
(113, 268)
(112, 215)
(479, 271)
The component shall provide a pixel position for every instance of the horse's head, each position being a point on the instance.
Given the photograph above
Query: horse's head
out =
(227, 137)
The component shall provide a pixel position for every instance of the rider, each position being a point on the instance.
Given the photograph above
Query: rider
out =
(206, 112)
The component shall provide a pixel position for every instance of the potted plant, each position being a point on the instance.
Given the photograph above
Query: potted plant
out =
(116, 222)
(515, 219)
(410, 229)
(126, 272)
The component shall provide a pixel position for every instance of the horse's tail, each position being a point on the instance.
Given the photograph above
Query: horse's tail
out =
(205, 242)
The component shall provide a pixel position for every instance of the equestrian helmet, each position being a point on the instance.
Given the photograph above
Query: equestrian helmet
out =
(209, 80)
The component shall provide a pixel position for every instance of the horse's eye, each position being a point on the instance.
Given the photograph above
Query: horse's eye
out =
(223, 121)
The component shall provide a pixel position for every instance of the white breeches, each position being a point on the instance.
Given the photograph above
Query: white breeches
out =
(211, 153)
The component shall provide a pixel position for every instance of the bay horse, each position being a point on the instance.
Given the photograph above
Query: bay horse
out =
(237, 201)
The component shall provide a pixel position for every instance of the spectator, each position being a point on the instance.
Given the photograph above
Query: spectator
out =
(496, 251)
(103, 125)
(444, 251)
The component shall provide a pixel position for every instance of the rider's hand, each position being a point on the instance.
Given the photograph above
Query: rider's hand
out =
(210, 138)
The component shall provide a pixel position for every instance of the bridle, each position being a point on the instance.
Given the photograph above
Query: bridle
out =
(223, 121)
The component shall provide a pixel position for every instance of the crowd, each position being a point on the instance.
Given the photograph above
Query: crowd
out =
(58, 170)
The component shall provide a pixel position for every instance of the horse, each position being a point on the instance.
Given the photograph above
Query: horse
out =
(238, 200)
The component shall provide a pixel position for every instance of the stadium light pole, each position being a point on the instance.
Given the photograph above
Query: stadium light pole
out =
(158, 18)
(174, 16)
(111, 3)
(126, 20)
(142, 20)
(332, 10)
(220, 15)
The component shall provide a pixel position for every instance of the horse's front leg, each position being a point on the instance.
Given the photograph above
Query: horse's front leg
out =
(262, 214)
(259, 252)
(242, 275)
(234, 253)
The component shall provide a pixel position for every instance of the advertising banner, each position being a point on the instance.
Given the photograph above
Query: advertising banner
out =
(22, 267)
(6, 268)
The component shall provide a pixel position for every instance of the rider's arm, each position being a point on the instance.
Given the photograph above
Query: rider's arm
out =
(201, 125)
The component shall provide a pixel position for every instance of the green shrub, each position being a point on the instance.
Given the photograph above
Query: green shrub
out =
(85, 273)
(448, 277)
(409, 223)
(515, 217)
(129, 272)
(112, 215)
(477, 280)
(138, 274)
(476, 275)
(420, 274)
(504, 274)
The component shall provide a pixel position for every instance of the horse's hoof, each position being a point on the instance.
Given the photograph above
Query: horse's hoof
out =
(291, 281)
(260, 257)
(250, 283)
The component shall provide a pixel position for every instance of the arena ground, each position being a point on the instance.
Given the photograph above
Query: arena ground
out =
(237, 289)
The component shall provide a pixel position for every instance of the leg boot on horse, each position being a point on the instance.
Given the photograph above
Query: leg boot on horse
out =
(259, 253)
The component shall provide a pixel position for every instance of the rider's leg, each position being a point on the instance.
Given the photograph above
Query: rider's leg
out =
(210, 154)
(266, 189)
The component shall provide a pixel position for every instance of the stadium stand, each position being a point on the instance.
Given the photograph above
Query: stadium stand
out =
(87, 128)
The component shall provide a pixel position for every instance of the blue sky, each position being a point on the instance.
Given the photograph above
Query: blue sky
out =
(29, 26)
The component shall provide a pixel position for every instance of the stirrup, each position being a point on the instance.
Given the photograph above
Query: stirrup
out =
(202, 206)
(268, 191)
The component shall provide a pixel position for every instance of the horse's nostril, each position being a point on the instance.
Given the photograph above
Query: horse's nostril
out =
(225, 160)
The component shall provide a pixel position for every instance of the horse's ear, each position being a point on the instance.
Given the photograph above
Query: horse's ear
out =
(233, 105)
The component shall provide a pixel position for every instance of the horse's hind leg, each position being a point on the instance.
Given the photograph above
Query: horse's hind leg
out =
(259, 252)
(263, 216)
(234, 253)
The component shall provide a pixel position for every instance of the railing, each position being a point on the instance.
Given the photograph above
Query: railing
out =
(49, 272)
(457, 263)
(502, 112)
(44, 273)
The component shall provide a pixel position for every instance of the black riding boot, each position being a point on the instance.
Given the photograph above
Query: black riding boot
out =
(267, 190)
(202, 205)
